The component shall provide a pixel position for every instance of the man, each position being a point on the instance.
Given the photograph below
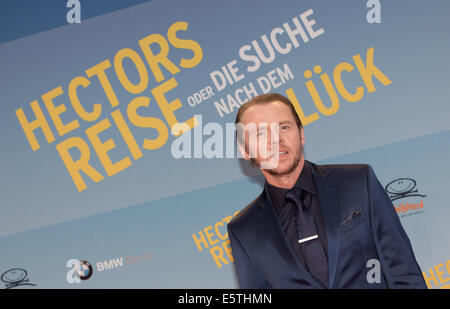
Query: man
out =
(313, 226)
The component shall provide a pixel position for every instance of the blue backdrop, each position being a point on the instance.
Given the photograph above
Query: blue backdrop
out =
(160, 222)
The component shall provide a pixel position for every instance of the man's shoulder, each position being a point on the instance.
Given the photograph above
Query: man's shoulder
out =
(342, 169)
(247, 213)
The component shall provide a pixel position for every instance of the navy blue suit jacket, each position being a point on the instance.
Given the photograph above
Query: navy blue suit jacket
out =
(361, 224)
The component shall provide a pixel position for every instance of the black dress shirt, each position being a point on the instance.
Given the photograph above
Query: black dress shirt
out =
(305, 181)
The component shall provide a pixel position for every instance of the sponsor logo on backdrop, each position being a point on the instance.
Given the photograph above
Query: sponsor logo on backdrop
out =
(215, 238)
(405, 188)
(83, 270)
(438, 277)
(80, 270)
(402, 187)
(15, 277)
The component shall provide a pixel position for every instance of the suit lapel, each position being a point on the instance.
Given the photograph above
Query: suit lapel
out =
(271, 227)
(328, 190)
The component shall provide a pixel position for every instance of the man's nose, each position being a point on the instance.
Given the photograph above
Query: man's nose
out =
(274, 139)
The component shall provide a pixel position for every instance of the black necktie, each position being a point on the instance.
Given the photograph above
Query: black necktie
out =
(315, 259)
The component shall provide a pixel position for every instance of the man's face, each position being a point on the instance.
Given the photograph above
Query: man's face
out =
(279, 151)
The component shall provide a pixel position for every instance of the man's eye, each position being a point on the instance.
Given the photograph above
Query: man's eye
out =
(284, 127)
(262, 132)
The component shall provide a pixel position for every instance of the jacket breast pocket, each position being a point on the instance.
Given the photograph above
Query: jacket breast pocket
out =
(351, 220)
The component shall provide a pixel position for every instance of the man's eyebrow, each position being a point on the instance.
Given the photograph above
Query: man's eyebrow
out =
(285, 121)
(265, 124)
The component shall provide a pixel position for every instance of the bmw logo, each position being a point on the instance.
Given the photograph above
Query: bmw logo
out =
(84, 270)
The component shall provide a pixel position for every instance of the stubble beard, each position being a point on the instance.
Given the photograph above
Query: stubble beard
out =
(290, 168)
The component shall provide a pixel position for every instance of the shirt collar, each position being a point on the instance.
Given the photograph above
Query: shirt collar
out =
(304, 181)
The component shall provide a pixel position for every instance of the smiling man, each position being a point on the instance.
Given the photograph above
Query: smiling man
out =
(313, 226)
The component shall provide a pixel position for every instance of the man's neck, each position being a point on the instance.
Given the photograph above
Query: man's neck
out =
(285, 181)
